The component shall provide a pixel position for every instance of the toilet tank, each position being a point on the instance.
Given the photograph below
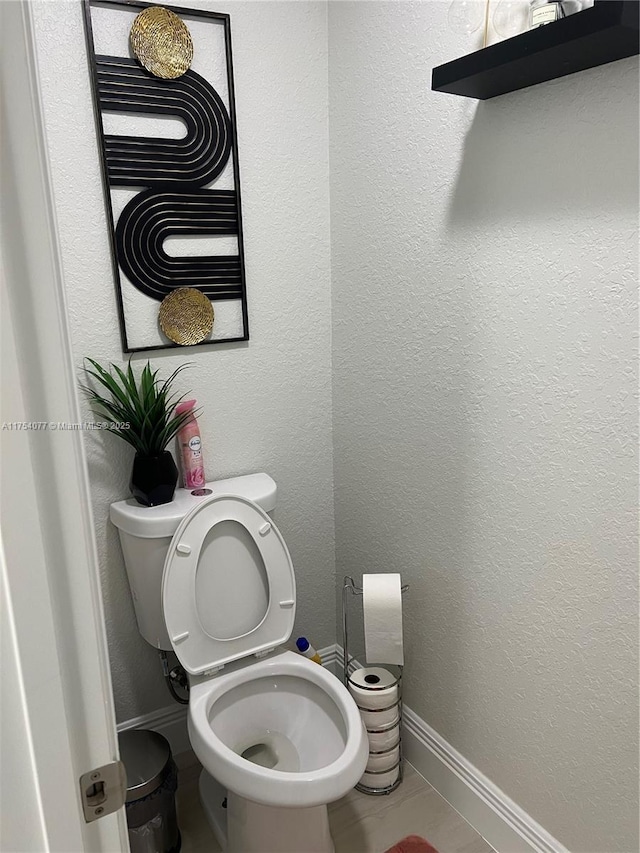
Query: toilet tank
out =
(145, 535)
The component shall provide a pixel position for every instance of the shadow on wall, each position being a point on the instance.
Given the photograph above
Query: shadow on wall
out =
(184, 354)
(537, 155)
(136, 668)
(545, 175)
(134, 663)
(545, 197)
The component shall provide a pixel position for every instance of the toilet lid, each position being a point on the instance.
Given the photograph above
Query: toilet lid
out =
(228, 588)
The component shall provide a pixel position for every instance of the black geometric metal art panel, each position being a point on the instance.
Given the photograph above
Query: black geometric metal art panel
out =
(175, 179)
(125, 87)
(156, 214)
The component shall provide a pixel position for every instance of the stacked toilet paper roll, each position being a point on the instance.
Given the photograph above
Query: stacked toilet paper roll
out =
(375, 691)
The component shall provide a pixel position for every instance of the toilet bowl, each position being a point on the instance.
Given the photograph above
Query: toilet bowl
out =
(281, 734)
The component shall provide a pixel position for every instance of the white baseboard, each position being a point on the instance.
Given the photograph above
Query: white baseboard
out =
(170, 722)
(330, 657)
(500, 821)
(503, 824)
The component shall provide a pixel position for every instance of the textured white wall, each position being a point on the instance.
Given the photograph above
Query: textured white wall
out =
(484, 344)
(484, 261)
(267, 404)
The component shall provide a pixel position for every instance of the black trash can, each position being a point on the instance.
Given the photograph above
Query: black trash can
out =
(152, 781)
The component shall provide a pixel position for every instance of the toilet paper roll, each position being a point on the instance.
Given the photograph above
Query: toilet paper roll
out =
(380, 780)
(382, 605)
(380, 719)
(384, 761)
(373, 687)
(379, 741)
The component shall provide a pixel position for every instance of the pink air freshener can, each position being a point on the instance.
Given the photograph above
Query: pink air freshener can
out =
(191, 448)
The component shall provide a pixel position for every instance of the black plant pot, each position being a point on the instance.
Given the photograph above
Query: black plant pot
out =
(153, 479)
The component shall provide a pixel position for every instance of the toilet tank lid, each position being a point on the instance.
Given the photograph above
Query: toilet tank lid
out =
(160, 521)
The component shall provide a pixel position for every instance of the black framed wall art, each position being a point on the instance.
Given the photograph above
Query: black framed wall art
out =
(162, 80)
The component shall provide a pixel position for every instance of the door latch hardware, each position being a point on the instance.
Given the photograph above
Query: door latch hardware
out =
(103, 790)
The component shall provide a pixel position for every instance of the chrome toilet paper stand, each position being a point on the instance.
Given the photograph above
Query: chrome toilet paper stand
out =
(350, 663)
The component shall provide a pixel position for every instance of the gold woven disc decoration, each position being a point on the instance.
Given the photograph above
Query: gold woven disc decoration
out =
(186, 316)
(162, 42)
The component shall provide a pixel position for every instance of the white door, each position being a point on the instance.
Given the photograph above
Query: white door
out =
(57, 710)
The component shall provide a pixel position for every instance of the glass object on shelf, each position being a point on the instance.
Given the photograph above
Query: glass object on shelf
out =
(510, 18)
(570, 7)
(543, 12)
(465, 17)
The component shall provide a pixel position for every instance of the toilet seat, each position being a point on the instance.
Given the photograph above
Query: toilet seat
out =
(215, 615)
(222, 708)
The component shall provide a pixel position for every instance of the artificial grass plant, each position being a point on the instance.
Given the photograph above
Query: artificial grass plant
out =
(147, 405)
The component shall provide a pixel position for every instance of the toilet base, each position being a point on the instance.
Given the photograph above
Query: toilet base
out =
(213, 797)
(252, 828)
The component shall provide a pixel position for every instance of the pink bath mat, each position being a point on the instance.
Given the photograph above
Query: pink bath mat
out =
(412, 844)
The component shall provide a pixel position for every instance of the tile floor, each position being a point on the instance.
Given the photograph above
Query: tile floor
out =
(359, 823)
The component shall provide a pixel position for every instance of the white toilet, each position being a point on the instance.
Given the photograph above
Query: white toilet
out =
(212, 579)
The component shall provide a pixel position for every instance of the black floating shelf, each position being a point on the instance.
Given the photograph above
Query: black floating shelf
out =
(605, 32)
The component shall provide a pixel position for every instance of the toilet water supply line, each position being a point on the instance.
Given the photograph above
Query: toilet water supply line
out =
(174, 676)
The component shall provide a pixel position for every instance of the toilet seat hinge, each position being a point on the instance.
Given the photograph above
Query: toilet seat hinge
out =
(265, 652)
